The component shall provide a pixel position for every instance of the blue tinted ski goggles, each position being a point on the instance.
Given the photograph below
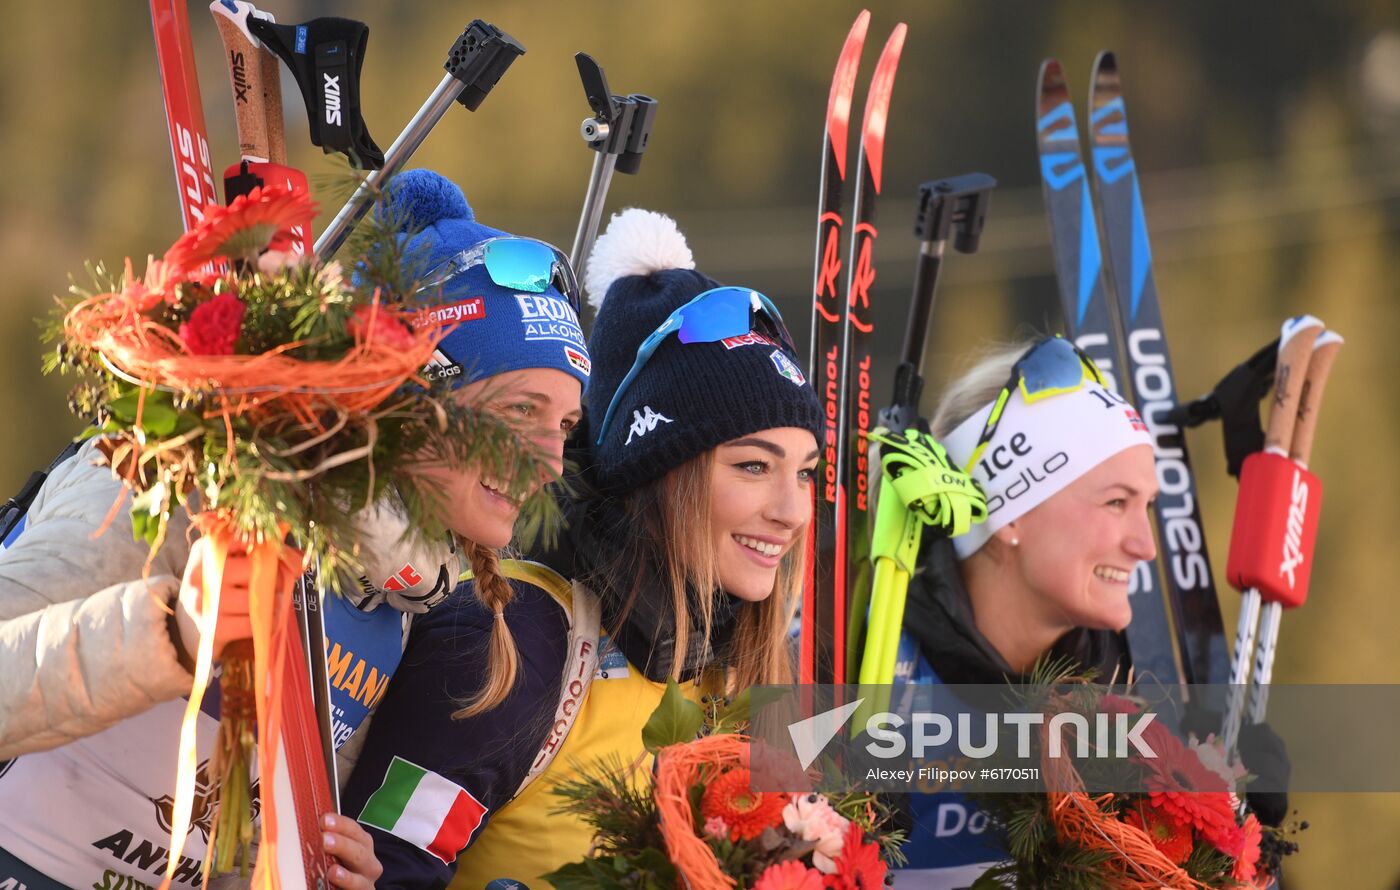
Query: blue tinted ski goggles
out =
(514, 263)
(1049, 368)
(714, 315)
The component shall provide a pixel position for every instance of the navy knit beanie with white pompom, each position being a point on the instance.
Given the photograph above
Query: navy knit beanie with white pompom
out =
(689, 397)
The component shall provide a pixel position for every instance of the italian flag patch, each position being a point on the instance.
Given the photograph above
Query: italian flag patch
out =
(425, 809)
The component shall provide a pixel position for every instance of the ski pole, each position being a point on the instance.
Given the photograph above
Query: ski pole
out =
(476, 62)
(254, 76)
(957, 207)
(920, 487)
(618, 131)
(1328, 344)
(1296, 343)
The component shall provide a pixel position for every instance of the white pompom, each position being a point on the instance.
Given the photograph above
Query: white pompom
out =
(637, 242)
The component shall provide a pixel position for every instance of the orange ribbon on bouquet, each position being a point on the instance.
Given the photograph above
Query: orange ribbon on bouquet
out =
(273, 570)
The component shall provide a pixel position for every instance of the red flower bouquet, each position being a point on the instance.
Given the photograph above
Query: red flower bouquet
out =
(275, 399)
(704, 826)
(1181, 828)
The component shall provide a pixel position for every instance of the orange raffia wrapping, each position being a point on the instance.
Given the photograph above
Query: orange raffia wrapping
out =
(262, 387)
(679, 767)
(1137, 864)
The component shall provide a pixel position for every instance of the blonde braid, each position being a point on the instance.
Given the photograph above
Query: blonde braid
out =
(495, 593)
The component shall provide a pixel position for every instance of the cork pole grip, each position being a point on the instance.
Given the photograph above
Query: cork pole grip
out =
(1325, 350)
(272, 104)
(243, 54)
(1294, 349)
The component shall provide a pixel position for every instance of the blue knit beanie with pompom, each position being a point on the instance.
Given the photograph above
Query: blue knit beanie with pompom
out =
(492, 329)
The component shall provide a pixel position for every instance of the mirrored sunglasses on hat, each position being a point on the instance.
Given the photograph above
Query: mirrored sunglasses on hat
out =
(514, 263)
(714, 315)
(1051, 367)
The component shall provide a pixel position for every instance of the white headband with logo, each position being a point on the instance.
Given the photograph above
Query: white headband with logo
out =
(1039, 449)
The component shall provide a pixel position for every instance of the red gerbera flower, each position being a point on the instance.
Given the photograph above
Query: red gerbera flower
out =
(1192, 797)
(789, 875)
(377, 324)
(243, 228)
(1172, 840)
(859, 866)
(745, 811)
(214, 325)
(1247, 860)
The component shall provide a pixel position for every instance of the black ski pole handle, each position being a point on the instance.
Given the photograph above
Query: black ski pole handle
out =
(479, 58)
(621, 125)
(619, 131)
(474, 65)
(956, 207)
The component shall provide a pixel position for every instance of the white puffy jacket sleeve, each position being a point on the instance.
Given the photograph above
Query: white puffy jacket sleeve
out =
(84, 642)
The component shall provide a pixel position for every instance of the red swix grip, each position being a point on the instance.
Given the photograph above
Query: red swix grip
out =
(1276, 513)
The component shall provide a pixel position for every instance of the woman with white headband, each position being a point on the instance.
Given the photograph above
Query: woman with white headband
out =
(1068, 471)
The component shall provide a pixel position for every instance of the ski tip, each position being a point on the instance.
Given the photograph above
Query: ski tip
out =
(1051, 89)
(877, 103)
(843, 87)
(859, 26)
(1328, 337)
(882, 83)
(1105, 79)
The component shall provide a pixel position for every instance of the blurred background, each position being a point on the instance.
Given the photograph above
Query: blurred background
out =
(1268, 145)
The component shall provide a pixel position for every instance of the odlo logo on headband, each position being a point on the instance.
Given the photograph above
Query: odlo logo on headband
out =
(1004, 458)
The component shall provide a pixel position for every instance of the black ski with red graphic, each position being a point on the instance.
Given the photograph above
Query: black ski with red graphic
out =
(820, 619)
(857, 361)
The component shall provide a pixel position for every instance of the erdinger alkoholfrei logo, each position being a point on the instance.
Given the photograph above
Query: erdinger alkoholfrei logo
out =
(643, 423)
(787, 368)
(441, 366)
(546, 317)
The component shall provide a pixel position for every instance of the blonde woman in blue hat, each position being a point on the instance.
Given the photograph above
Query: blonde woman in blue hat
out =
(683, 559)
(93, 664)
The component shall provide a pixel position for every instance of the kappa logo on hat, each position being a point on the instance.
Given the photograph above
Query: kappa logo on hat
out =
(787, 368)
(645, 423)
(578, 360)
(441, 366)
